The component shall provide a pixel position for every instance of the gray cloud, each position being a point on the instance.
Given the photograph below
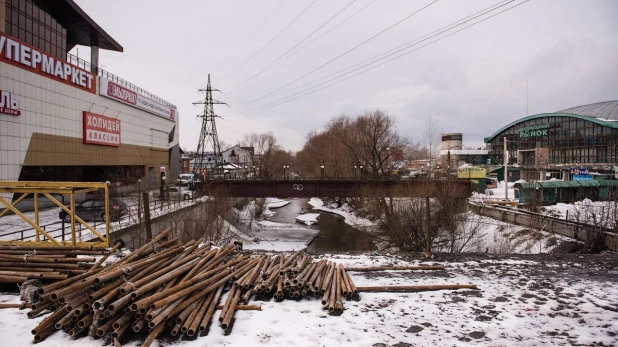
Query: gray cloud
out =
(472, 82)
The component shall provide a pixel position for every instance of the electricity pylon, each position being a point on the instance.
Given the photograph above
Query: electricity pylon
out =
(208, 136)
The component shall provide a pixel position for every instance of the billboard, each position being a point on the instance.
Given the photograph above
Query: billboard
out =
(467, 172)
(101, 130)
(125, 95)
(579, 171)
(22, 55)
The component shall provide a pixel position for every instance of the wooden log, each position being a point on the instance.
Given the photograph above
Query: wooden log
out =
(421, 288)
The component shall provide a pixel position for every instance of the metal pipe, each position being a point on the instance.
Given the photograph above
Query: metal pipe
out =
(419, 288)
(98, 263)
(345, 285)
(245, 307)
(394, 268)
(20, 306)
(329, 278)
(153, 335)
(352, 286)
(338, 303)
(230, 311)
(211, 308)
(194, 326)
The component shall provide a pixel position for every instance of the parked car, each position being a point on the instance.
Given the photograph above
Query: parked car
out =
(94, 209)
(182, 193)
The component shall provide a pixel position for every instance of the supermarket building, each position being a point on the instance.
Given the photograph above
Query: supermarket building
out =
(66, 119)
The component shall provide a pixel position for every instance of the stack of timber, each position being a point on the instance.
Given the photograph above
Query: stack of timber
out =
(18, 264)
(170, 289)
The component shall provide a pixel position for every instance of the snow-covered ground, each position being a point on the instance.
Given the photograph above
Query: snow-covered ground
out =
(542, 301)
(598, 213)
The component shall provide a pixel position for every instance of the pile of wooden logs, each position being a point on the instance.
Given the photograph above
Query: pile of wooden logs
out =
(19, 263)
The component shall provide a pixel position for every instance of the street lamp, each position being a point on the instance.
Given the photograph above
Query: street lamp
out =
(322, 170)
(354, 171)
(361, 172)
(286, 169)
(253, 171)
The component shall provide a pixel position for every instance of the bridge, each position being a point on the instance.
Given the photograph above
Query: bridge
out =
(337, 188)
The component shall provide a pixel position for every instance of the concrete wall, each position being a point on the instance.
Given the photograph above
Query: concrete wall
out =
(181, 221)
(557, 226)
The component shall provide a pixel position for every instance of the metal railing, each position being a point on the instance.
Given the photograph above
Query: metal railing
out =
(110, 76)
(62, 229)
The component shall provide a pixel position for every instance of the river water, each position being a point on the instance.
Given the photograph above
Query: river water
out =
(335, 235)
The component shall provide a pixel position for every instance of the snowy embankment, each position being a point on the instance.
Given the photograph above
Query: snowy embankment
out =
(271, 236)
(344, 211)
(490, 235)
(519, 302)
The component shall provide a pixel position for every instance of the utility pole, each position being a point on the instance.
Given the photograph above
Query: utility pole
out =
(208, 136)
(506, 170)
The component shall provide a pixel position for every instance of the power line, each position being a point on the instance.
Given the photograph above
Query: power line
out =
(273, 39)
(348, 51)
(282, 101)
(405, 45)
(329, 30)
(254, 31)
(289, 50)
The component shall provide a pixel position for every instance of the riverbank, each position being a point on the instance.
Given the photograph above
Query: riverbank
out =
(521, 300)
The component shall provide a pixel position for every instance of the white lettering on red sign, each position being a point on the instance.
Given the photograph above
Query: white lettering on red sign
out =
(121, 93)
(17, 53)
(101, 130)
(8, 103)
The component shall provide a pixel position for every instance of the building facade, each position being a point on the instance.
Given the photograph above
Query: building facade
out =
(560, 144)
(65, 119)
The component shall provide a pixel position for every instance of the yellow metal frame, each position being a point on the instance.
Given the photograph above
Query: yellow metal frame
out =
(46, 189)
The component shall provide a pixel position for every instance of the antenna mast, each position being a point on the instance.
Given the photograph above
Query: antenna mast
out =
(208, 136)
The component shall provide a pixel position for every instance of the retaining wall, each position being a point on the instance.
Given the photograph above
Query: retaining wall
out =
(549, 224)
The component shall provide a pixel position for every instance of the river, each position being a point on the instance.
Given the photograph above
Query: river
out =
(335, 235)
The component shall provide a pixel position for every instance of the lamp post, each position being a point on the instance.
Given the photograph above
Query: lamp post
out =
(361, 172)
(354, 171)
(322, 171)
(253, 171)
(139, 200)
(286, 169)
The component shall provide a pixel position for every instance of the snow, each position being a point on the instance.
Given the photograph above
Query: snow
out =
(273, 236)
(598, 213)
(308, 218)
(276, 203)
(519, 302)
(344, 211)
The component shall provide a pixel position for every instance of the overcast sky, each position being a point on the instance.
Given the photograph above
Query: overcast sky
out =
(472, 82)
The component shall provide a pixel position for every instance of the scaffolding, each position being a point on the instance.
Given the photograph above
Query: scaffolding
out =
(46, 189)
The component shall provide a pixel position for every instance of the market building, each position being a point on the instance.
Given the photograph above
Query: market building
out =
(573, 144)
(65, 119)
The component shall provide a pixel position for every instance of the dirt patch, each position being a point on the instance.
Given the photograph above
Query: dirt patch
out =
(477, 334)
(414, 329)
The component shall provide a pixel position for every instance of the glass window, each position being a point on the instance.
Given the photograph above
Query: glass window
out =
(35, 29)
(22, 20)
(22, 6)
(29, 8)
(22, 34)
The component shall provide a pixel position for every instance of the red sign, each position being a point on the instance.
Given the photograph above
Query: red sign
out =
(121, 93)
(8, 103)
(17, 53)
(101, 130)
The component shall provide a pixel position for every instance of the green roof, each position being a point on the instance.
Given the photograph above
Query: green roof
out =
(565, 184)
(610, 124)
